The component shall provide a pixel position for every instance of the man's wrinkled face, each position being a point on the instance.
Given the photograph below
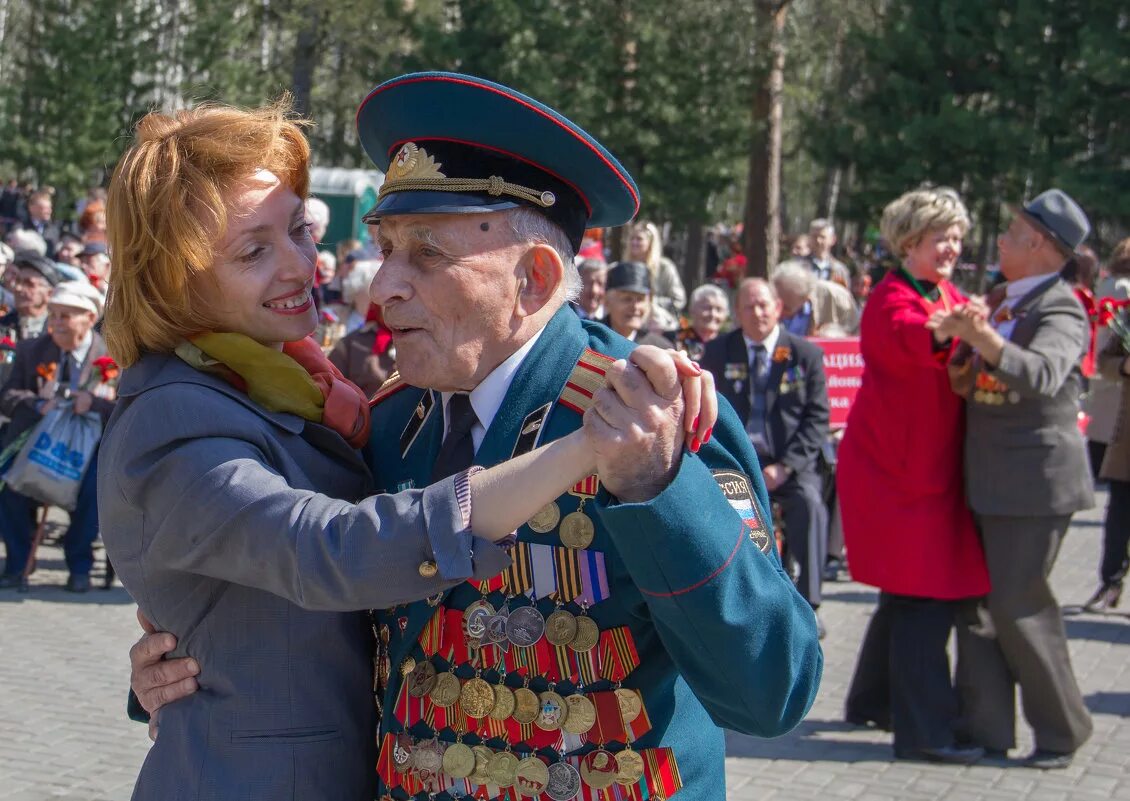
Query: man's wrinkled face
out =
(448, 289)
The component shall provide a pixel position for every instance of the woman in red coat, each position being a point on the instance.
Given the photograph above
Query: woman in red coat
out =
(899, 480)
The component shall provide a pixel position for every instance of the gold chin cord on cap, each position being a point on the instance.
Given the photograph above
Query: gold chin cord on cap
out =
(493, 186)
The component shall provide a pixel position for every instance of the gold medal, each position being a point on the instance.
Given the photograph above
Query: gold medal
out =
(630, 704)
(477, 698)
(560, 627)
(483, 756)
(531, 777)
(446, 690)
(546, 518)
(629, 767)
(588, 634)
(458, 761)
(526, 706)
(421, 680)
(503, 768)
(577, 530)
(582, 714)
(407, 666)
(598, 769)
(551, 711)
(503, 702)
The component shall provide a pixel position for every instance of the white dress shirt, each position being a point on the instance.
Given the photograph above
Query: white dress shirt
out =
(769, 343)
(487, 397)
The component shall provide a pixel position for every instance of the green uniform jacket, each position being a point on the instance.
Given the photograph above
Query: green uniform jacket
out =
(723, 637)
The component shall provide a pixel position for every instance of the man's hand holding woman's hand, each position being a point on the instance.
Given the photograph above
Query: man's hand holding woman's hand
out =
(655, 402)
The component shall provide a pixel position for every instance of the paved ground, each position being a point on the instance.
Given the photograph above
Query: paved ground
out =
(64, 735)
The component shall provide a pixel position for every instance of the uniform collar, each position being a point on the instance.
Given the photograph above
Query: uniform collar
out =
(487, 397)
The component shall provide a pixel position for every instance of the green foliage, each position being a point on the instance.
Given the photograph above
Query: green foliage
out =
(1000, 99)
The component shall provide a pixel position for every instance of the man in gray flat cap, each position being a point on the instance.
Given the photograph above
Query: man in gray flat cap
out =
(1026, 474)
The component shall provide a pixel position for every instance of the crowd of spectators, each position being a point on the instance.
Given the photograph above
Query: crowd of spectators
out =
(53, 279)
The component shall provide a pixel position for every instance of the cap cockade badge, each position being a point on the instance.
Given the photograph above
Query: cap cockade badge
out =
(413, 162)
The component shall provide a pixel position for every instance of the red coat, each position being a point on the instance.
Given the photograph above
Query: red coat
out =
(907, 528)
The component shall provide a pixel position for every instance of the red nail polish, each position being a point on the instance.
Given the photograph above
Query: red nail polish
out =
(706, 436)
(694, 425)
(695, 445)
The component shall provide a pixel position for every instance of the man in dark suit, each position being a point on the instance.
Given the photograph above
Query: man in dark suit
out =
(39, 211)
(56, 365)
(775, 382)
(1026, 474)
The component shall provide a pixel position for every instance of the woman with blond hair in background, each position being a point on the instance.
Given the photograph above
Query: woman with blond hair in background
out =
(900, 483)
(645, 245)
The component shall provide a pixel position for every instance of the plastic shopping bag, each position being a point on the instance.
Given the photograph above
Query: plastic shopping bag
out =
(52, 462)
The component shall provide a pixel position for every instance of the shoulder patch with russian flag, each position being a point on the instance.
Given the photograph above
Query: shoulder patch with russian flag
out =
(739, 494)
(587, 377)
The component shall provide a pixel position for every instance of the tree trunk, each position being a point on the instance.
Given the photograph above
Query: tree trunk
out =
(829, 193)
(762, 220)
(306, 53)
(990, 221)
(694, 261)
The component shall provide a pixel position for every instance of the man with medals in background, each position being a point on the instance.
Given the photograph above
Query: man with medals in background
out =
(1026, 474)
(642, 610)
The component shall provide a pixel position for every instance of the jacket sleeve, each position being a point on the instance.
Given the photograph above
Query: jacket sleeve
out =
(894, 335)
(732, 621)
(1041, 368)
(804, 447)
(18, 390)
(214, 506)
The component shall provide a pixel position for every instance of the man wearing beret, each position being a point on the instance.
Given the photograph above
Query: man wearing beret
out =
(53, 366)
(1026, 474)
(643, 609)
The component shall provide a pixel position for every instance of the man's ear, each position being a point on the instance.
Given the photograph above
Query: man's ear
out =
(541, 274)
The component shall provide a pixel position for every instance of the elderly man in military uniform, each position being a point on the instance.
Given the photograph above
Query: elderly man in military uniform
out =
(645, 608)
(1026, 474)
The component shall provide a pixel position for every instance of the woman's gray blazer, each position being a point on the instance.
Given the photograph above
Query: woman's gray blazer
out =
(224, 522)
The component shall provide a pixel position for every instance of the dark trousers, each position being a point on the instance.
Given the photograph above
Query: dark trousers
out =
(902, 676)
(1116, 534)
(806, 529)
(1018, 638)
(16, 520)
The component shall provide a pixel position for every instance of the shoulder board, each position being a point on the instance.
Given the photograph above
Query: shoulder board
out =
(587, 377)
(393, 384)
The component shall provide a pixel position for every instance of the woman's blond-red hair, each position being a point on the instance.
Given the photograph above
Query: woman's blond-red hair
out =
(165, 212)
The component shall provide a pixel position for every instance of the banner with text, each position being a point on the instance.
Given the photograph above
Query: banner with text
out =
(843, 367)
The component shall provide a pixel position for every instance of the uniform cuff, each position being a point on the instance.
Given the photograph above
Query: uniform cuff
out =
(458, 553)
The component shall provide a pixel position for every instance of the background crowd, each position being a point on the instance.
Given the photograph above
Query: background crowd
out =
(753, 334)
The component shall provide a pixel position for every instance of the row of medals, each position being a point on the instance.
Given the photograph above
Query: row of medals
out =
(575, 714)
(560, 781)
